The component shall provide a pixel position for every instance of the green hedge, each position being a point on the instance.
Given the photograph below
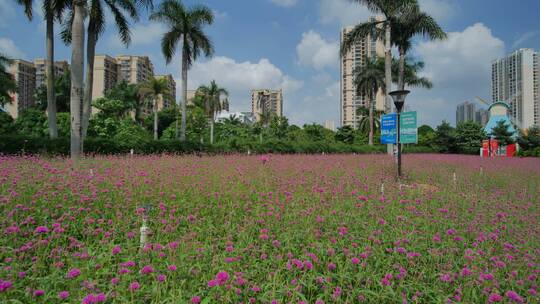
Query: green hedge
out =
(11, 144)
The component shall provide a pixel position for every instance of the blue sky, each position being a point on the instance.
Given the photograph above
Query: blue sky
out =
(293, 44)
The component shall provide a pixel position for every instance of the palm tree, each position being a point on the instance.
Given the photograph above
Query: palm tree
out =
(7, 82)
(406, 26)
(368, 80)
(262, 103)
(212, 103)
(77, 82)
(186, 27)
(53, 11)
(130, 94)
(390, 10)
(154, 89)
(96, 26)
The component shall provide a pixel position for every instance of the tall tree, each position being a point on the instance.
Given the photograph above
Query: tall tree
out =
(502, 133)
(130, 94)
(185, 27)
(77, 75)
(390, 10)
(121, 11)
(52, 11)
(405, 27)
(368, 80)
(7, 82)
(213, 103)
(154, 89)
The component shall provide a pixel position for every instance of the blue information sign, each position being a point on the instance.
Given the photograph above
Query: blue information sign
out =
(388, 128)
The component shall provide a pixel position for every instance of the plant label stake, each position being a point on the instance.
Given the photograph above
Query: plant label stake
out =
(249, 152)
(455, 179)
(382, 189)
(131, 152)
(91, 172)
(481, 170)
(145, 230)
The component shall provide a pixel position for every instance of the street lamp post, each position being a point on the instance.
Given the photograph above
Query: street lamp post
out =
(399, 102)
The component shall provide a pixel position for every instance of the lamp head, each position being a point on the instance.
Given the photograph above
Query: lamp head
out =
(399, 98)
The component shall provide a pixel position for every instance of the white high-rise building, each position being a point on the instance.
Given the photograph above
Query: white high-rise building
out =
(515, 80)
(356, 57)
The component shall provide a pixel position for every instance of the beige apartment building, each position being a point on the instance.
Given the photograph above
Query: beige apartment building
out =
(190, 96)
(24, 73)
(134, 69)
(60, 67)
(105, 75)
(356, 57)
(271, 99)
(164, 103)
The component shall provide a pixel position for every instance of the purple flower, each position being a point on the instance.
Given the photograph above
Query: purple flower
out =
(222, 277)
(134, 286)
(62, 295)
(5, 285)
(116, 250)
(41, 229)
(196, 300)
(514, 297)
(73, 273)
(147, 269)
(161, 278)
(38, 293)
(172, 267)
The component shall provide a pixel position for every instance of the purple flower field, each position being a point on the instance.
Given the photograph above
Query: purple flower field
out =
(271, 229)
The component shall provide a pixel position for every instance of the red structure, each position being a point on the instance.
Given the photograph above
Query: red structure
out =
(491, 148)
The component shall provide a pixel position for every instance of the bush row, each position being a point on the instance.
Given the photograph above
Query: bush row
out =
(10, 144)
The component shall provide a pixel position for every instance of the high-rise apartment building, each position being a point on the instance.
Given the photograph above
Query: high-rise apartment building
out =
(171, 85)
(266, 99)
(515, 80)
(24, 74)
(465, 112)
(482, 117)
(105, 75)
(356, 58)
(60, 67)
(134, 69)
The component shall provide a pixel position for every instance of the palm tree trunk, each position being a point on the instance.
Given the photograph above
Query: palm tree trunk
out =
(388, 75)
(155, 120)
(371, 104)
(401, 79)
(49, 72)
(184, 93)
(77, 73)
(89, 81)
(211, 131)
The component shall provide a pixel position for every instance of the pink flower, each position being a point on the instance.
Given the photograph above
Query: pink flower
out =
(355, 261)
(115, 281)
(222, 277)
(73, 273)
(331, 266)
(134, 286)
(445, 278)
(161, 278)
(494, 298)
(116, 250)
(213, 283)
(62, 295)
(513, 296)
(147, 269)
(172, 267)
(196, 300)
(5, 285)
(465, 271)
(41, 229)
(38, 293)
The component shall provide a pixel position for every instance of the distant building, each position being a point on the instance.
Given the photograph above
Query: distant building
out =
(24, 74)
(350, 101)
(272, 100)
(499, 111)
(171, 85)
(465, 111)
(482, 117)
(134, 69)
(105, 75)
(190, 96)
(60, 67)
(329, 124)
(515, 80)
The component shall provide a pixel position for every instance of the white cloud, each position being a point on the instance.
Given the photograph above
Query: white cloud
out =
(314, 51)
(8, 47)
(344, 12)
(7, 11)
(441, 10)
(523, 38)
(460, 69)
(322, 107)
(285, 3)
(240, 77)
